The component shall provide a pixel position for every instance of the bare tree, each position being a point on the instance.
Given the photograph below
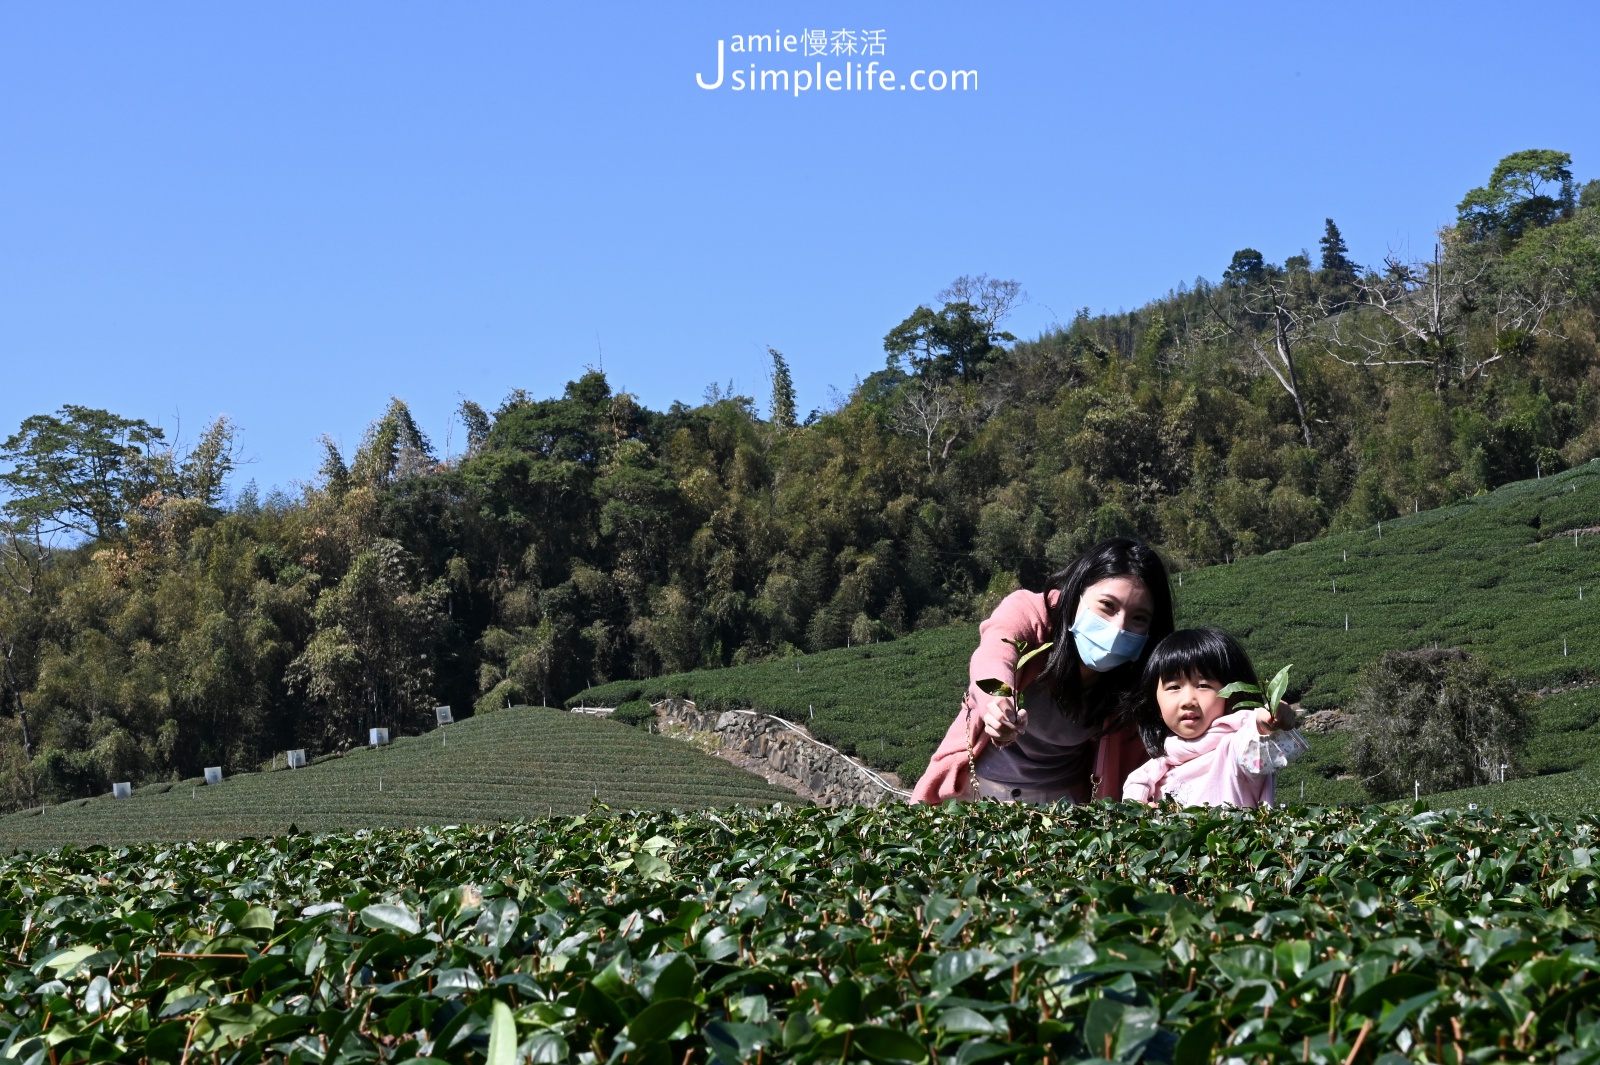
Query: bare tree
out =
(1416, 313)
(1270, 317)
(992, 299)
(934, 412)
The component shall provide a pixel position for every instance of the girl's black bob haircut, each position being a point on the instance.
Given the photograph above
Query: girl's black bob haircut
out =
(1209, 653)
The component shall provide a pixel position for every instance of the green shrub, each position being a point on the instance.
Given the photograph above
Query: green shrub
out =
(634, 712)
(1439, 718)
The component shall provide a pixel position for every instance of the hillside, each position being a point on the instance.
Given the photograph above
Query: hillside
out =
(509, 765)
(190, 620)
(1498, 576)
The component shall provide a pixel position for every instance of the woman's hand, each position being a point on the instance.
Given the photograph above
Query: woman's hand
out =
(1268, 722)
(1003, 721)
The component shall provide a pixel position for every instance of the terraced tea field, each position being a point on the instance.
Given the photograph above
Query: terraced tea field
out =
(1498, 576)
(509, 765)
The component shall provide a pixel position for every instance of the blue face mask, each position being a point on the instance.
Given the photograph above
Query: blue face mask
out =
(1101, 645)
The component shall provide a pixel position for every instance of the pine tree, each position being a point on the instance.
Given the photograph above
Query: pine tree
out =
(782, 391)
(1335, 265)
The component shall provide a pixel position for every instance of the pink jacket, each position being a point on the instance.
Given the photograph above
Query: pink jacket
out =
(1028, 616)
(1221, 768)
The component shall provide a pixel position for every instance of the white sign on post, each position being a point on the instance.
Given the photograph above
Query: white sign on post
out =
(297, 759)
(213, 774)
(377, 737)
(443, 714)
(124, 790)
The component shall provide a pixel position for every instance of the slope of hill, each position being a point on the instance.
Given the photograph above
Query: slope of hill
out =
(1498, 576)
(509, 765)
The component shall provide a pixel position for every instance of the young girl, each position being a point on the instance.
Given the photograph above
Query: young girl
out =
(1203, 755)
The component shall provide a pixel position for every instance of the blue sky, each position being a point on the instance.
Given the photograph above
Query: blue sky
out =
(289, 212)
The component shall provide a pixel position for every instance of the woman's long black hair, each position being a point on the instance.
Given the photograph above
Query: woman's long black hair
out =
(1118, 557)
(1208, 653)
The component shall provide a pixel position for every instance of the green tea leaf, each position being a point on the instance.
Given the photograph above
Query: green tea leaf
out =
(502, 1036)
(387, 917)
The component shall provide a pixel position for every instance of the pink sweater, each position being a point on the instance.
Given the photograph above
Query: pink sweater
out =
(1224, 767)
(1028, 616)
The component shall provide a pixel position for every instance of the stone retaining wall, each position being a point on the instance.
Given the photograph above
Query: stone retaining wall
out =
(783, 752)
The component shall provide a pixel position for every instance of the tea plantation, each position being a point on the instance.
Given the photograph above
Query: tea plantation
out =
(1498, 576)
(508, 765)
(961, 934)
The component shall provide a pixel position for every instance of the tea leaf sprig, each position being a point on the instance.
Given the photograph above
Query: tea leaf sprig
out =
(1277, 687)
(995, 686)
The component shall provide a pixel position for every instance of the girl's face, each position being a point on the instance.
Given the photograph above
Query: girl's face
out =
(1190, 705)
(1123, 601)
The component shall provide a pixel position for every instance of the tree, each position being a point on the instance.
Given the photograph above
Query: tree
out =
(394, 447)
(951, 342)
(1270, 316)
(962, 337)
(477, 425)
(782, 413)
(1339, 274)
(78, 472)
(935, 413)
(1421, 313)
(1439, 718)
(334, 473)
(1247, 268)
(991, 298)
(1518, 196)
(369, 660)
(203, 473)
(1334, 259)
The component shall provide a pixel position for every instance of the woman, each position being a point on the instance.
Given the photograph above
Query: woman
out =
(1108, 609)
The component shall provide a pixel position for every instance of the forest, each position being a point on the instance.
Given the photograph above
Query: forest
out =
(156, 618)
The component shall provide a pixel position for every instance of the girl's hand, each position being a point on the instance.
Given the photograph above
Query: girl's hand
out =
(1003, 721)
(1268, 723)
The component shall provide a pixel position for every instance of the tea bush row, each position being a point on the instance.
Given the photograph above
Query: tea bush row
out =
(507, 765)
(898, 935)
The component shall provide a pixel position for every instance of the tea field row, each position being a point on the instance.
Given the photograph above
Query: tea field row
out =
(507, 765)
